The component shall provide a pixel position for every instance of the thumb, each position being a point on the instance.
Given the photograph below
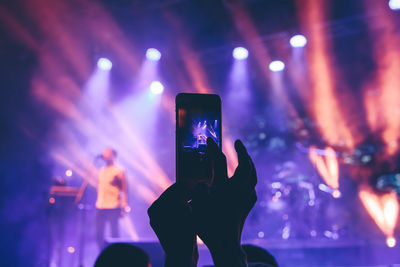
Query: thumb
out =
(244, 165)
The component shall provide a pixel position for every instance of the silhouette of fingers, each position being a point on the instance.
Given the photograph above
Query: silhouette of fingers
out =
(243, 170)
(253, 173)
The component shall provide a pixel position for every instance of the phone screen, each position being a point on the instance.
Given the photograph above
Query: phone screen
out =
(198, 117)
(197, 125)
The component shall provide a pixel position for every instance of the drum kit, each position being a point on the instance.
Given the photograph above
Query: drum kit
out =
(294, 205)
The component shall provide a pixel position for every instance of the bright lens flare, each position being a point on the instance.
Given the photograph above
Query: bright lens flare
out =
(68, 173)
(104, 64)
(276, 66)
(394, 4)
(156, 87)
(153, 54)
(391, 242)
(298, 41)
(336, 193)
(240, 53)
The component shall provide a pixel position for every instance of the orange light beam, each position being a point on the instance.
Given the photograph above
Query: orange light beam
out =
(247, 29)
(381, 103)
(325, 103)
(384, 210)
(327, 167)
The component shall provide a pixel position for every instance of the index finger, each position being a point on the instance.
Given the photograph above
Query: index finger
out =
(244, 167)
(253, 173)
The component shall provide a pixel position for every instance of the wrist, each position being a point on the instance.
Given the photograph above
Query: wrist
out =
(173, 260)
(182, 255)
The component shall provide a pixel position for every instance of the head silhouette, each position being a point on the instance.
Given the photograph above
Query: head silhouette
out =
(257, 254)
(122, 255)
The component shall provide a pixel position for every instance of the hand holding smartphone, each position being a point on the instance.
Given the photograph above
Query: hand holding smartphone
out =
(198, 116)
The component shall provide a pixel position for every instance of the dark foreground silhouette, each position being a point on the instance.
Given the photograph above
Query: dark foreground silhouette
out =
(122, 255)
(215, 211)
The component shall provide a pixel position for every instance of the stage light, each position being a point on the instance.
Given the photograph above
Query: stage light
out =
(71, 249)
(328, 234)
(335, 236)
(298, 41)
(156, 87)
(313, 233)
(390, 241)
(286, 232)
(336, 193)
(323, 188)
(153, 54)
(366, 158)
(276, 185)
(240, 53)
(68, 173)
(104, 64)
(52, 200)
(127, 209)
(260, 234)
(276, 66)
(394, 4)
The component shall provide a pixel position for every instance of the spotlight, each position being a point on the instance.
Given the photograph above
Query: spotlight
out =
(262, 136)
(104, 64)
(336, 193)
(68, 173)
(156, 87)
(260, 234)
(276, 66)
(153, 54)
(286, 232)
(240, 53)
(390, 241)
(298, 41)
(394, 4)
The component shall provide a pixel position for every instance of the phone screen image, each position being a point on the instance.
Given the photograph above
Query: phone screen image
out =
(198, 117)
(197, 126)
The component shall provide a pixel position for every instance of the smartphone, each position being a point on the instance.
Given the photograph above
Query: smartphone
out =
(198, 116)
